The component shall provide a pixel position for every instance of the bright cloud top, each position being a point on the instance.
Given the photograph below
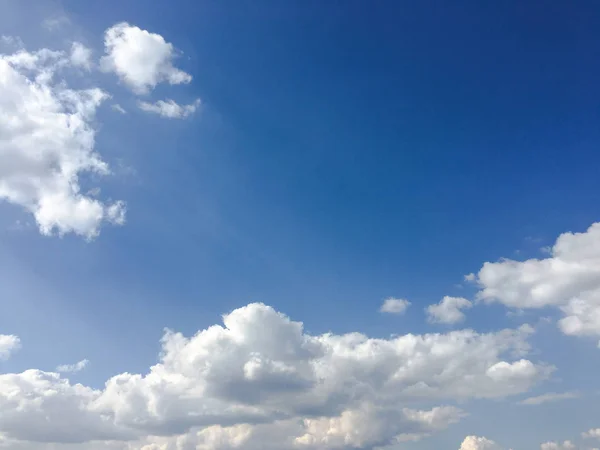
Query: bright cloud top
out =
(478, 443)
(170, 109)
(140, 59)
(47, 142)
(394, 306)
(262, 370)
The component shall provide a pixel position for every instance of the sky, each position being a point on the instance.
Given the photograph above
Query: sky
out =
(299, 225)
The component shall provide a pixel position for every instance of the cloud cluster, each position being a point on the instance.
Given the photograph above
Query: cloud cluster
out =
(48, 129)
(569, 279)
(47, 143)
(260, 373)
(73, 368)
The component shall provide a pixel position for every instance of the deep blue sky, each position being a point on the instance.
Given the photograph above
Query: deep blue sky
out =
(347, 151)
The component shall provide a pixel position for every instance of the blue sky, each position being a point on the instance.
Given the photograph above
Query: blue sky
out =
(342, 154)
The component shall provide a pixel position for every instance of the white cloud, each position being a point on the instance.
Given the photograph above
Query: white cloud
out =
(594, 433)
(47, 142)
(118, 108)
(72, 368)
(55, 22)
(448, 310)
(470, 277)
(567, 445)
(140, 59)
(568, 279)
(261, 378)
(549, 397)
(8, 345)
(479, 443)
(170, 109)
(393, 305)
(81, 56)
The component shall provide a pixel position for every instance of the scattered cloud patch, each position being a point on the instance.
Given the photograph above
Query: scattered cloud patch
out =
(8, 345)
(140, 59)
(81, 56)
(594, 433)
(47, 143)
(550, 397)
(566, 445)
(448, 310)
(73, 368)
(170, 109)
(118, 108)
(393, 305)
(569, 279)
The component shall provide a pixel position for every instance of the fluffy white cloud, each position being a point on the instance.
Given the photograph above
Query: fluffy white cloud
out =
(260, 375)
(8, 344)
(140, 59)
(72, 368)
(549, 397)
(567, 445)
(594, 433)
(448, 310)
(47, 142)
(393, 305)
(568, 279)
(170, 109)
(479, 443)
(81, 56)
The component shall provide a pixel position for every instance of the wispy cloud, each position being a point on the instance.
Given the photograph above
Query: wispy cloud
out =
(549, 397)
(72, 368)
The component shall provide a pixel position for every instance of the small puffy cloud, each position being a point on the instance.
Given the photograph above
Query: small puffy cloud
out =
(448, 310)
(140, 59)
(470, 277)
(81, 56)
(549, 397)
(567, 445)
(569, 279)
(170, 109)
(8, 345)
(47, 144)
(594, 433)
(72, 368)
(393, 305)
(478, 443)
(259, 381)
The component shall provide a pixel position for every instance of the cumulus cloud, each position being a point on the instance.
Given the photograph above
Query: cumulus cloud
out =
(448, 310)
(8, 345)
(259, 374)
(569, 279)
(478, 443)
(47, 138)
(393, 305)
(549, 397)
(72, 368)
(140, 59)
(594, 433)
(170, 109)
